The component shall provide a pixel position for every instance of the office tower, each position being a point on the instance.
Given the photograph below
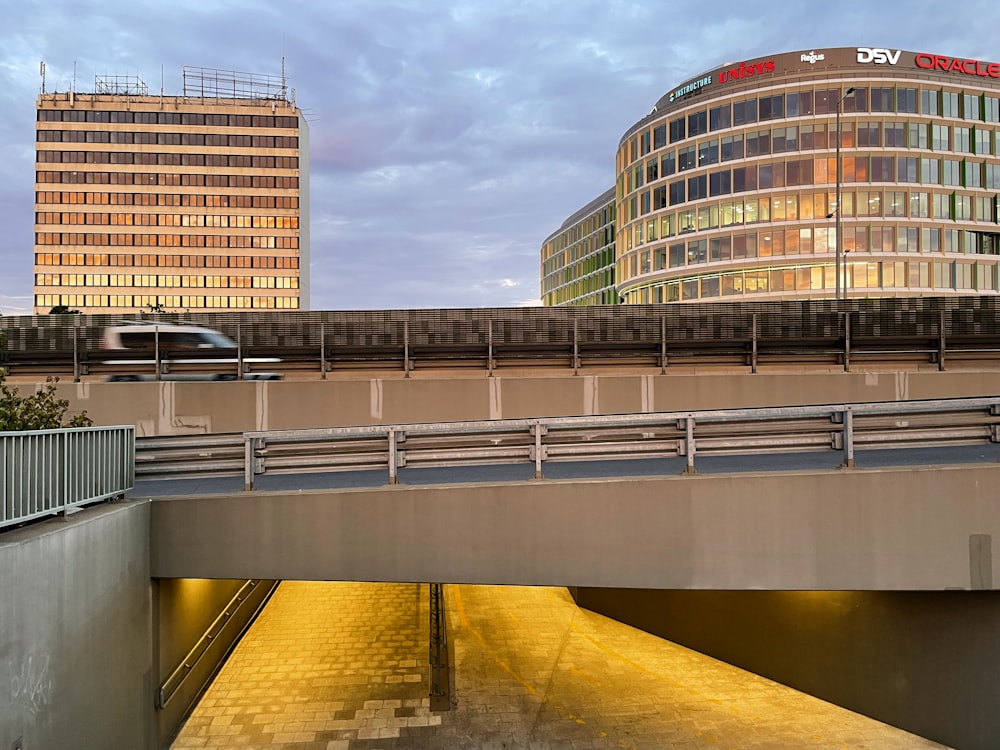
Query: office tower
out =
(825, 173)
(198, 202)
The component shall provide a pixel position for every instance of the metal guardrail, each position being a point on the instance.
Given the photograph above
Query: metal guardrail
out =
(45, 472)
(842, 427)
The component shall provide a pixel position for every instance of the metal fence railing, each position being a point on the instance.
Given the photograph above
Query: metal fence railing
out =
(844, 428)
(946, 332)
(44, 472)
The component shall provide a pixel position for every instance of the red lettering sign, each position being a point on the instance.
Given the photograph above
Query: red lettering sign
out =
(746, 70)
(956, 65)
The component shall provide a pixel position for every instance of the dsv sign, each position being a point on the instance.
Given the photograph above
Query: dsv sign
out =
(878, 55)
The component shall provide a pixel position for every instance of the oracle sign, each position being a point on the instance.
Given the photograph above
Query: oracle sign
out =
(957, 65)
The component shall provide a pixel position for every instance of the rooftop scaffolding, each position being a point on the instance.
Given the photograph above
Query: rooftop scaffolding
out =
(212, 83)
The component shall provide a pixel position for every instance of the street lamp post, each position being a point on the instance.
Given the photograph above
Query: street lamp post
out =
(840, 240)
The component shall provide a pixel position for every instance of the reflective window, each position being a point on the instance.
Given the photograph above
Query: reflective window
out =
(991, 109)
(906, 100)
(677, 255)
(951, 172)
(697, 123)
(895, 135)
(992, 176)
(930, 101)
(771, 175)
(708, 153)
(668, 164)
(758, 143)
(971, 109)
(973, 174)
(963, 139)
(732, 147)
(745, 112)
(676, 192)
(895, 203)
(677, 130)
(720, 183)
(697, 252)
(918, 135)
(856, 101)
(799, 103)
(906, 169)
(686, 159)
(826, 101)
(881, 99)
(659, 136)
(745, 178)
(720, 117)
(949, 104)
(697, 187)
(940, 137)
(720, 249)
(882, 169)
(930, 240)
(785, 139)
(963, 207)
(982, 140)
(771, 107)
(869, 134)
(799, 172)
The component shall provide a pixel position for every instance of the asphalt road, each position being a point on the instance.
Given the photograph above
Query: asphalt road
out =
(770, 462)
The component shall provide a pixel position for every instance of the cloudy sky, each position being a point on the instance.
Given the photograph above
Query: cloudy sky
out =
(448, 138)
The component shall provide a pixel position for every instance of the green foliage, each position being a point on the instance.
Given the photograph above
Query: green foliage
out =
(63, 310)
(39, 411)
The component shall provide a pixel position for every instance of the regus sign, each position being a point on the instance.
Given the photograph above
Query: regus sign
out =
(878, 55)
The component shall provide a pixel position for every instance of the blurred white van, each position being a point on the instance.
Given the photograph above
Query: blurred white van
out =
(184, 352)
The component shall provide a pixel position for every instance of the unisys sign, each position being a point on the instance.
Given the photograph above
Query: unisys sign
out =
(746, 70)
(957, 65)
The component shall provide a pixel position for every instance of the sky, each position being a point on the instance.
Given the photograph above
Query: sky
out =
(448, 139)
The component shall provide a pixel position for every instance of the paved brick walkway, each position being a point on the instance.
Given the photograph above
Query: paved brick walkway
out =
(339, 666)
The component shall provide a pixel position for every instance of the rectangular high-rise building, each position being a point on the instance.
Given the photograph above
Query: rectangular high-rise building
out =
(172, 203)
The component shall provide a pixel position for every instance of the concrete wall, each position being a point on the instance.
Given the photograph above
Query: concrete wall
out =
(184, 609)
(185, 408)
(76, 632)
(927, 528)
(928, 662)
(86, 637)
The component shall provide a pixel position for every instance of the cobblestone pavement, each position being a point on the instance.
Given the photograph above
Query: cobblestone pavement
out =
(343, 666)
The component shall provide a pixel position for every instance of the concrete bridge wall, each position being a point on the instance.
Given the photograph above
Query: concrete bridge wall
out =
(185, 408)
(912, 529)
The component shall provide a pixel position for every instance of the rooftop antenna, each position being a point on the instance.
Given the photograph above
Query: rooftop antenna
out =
(41, 72)
(284, 81)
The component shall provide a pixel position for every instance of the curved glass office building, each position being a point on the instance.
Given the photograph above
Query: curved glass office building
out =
(729, 187)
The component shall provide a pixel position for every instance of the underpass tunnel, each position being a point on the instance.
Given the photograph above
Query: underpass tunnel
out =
(348, 665)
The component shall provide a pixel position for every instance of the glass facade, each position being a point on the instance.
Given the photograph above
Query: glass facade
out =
(175, 203)
(735, 195)
(578, 261)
